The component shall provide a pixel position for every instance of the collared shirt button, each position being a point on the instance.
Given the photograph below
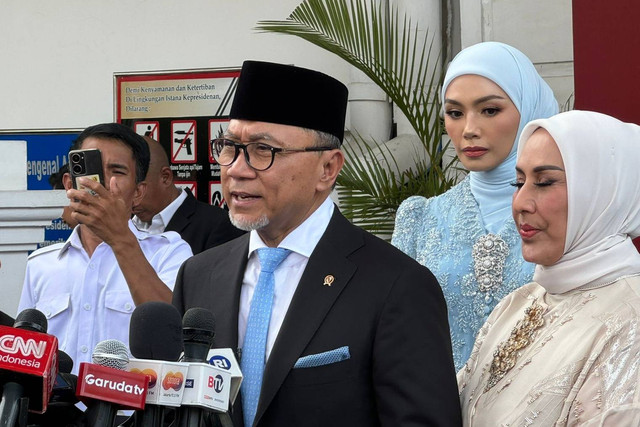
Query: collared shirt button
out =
(128, 306)
(84, 349)
(92, 266)
(87, 306)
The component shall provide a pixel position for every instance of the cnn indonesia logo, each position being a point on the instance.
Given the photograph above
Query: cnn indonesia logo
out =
(216, 383)
(11, 344)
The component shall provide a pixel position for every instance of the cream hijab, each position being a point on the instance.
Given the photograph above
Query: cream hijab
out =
(601, 156)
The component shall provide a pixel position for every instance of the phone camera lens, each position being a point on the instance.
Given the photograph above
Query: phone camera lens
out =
(77, 169)
(76, 158)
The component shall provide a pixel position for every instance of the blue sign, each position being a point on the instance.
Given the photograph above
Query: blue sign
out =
(46, 153)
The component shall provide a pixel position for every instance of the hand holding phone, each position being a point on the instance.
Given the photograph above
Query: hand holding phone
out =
(86, 163)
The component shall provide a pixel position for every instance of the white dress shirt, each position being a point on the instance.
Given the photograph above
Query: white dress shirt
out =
(86, 299)
(301, 241)
(160, 220)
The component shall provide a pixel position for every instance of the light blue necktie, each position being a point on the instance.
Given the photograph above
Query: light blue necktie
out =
(255, 340)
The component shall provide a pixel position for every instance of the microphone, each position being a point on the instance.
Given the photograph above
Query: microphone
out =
(198, 331)
(155, 339)
(5, 319)
(207, 387)
(105, 385)
(28, 366)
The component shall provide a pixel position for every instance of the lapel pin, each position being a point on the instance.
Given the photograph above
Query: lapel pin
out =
(328, 280)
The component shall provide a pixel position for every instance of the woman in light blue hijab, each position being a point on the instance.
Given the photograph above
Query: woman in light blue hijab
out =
(467, 236)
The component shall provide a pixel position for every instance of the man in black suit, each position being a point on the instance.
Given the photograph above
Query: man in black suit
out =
(357, 332)
(166, 207)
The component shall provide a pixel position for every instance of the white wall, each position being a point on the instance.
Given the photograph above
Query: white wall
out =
(541, 29)
(58, 57)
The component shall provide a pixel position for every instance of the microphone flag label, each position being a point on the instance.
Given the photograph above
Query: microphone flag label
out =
(127, 389)
(207, 387)
(224, 358)
(30, 359)
(166, 380)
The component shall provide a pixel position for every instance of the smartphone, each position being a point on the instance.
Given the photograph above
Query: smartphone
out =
(85, 163)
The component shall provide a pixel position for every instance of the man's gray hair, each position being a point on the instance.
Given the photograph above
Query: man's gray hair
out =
(324, 139)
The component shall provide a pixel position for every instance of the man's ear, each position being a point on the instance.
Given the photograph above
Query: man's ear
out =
(166, 175)
(332, 165)
(66, 181)
(141, 190)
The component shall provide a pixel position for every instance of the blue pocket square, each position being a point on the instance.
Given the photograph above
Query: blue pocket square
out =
(326, 358)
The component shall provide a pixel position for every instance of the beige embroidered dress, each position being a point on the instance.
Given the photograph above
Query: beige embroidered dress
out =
(566, 359)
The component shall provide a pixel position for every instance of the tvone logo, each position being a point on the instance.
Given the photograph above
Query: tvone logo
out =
(13, 344)
(216, 383)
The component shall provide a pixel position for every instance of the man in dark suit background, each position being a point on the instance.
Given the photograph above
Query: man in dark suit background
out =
(355, 332)
(166, 207)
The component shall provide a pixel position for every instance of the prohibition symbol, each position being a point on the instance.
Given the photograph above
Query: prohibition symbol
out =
(183, 141)
(190, 185)
(150, 129)
(215, 194)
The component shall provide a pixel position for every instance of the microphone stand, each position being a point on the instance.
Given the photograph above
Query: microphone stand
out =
(13, 407)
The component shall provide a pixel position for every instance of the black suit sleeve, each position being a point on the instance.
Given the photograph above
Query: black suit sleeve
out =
(413, 372)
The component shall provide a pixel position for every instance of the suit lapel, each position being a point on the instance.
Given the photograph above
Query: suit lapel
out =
(311, 302)
(225, 293)
(180, 218)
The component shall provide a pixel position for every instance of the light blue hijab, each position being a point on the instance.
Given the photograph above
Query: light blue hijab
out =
(510, 69)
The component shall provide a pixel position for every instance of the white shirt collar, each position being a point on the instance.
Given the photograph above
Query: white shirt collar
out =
(161, 219)
(304, 238)
(74, 238)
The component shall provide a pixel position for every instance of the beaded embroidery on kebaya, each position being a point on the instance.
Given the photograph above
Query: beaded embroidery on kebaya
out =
(440, 233)
(505, 356)
(489, 254)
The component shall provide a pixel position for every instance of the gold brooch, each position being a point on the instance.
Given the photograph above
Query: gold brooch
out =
(504, 358)
(328, 280)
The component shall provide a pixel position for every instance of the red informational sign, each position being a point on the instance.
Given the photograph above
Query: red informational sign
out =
(217, 128)
(127, 389)
(150, 129)
(30, 359)
(184, 111)
(184, 143)
(215, 194)
(190, 185)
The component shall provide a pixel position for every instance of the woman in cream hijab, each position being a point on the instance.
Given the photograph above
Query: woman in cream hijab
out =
(565, 349)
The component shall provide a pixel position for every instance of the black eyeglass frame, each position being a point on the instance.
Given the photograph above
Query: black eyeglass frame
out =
(274, 150)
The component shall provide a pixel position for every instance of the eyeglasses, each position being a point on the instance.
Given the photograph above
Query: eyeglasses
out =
(258, 155)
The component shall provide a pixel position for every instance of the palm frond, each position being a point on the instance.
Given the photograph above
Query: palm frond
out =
(402, 61)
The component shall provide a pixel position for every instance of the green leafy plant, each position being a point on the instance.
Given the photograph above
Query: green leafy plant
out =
(399, 59)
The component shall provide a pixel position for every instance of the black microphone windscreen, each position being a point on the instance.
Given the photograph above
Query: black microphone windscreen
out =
(65, 362)
(6, 320)
(155, 332)
(198, 330)
(111, 353)
(31, 319)
(199, 318)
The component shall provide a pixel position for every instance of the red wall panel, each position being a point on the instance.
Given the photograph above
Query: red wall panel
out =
(606, 49)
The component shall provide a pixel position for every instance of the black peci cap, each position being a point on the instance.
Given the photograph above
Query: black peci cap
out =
(288, 95)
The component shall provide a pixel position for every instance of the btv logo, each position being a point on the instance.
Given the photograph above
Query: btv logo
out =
(220, 362)
(216, 383)
(12, 344)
